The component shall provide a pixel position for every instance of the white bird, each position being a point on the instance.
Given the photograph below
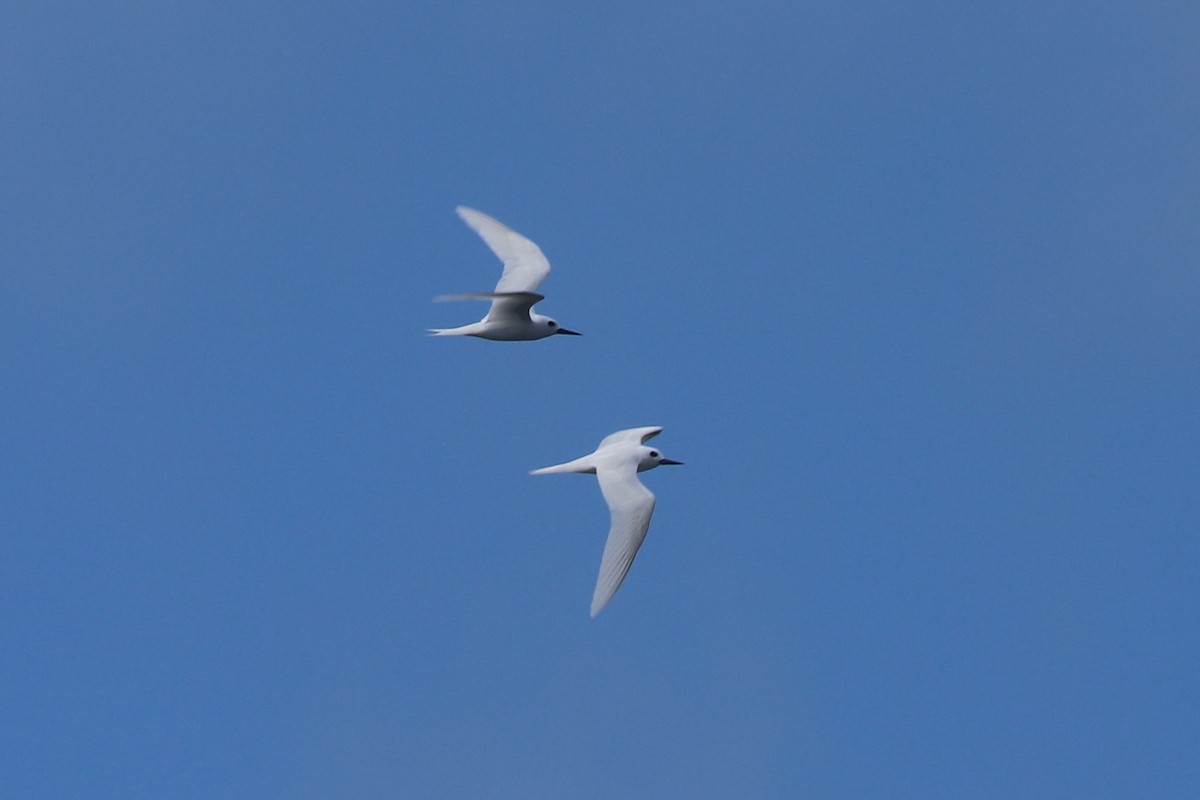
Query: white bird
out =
(511, 317)
(616, 463)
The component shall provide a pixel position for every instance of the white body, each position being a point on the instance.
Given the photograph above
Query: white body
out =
(616, 463)
(511, 317)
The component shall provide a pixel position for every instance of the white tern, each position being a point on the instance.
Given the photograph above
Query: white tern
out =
(511, 317)
(616, 463)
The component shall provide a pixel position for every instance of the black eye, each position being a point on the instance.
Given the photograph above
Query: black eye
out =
(552, 324)
(654, 454)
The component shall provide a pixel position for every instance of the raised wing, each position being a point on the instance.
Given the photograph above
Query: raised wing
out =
(631, 436)
(525, 266)
(630, 504)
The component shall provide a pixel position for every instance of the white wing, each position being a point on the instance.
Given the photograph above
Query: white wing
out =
(525, 267)
(506, 306)
(512, 306)
(631, 435)
(630, 504)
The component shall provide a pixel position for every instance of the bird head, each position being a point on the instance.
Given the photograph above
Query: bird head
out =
(650, 457)
(550, 325)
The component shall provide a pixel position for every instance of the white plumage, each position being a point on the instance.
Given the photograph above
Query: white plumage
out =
(615, 463)
(511, 316)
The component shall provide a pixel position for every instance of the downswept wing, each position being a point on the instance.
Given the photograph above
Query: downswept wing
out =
(506, 306)
(512, 306)
(630, 505)
(525, 266)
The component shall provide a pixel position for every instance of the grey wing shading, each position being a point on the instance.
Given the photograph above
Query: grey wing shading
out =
(514, 306)
(505, 305)
(631, 435)
(630, 505)
(525, 266)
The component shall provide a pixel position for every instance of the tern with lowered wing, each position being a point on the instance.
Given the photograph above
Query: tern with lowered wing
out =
(511, 317)
(616, 463)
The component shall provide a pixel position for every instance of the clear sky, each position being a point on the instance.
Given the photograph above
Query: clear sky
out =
(912, 287)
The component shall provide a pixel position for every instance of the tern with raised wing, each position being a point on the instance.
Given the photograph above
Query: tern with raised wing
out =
(616, 463)
(511, 317)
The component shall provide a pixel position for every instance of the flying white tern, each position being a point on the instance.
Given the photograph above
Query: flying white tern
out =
(616, 463)
(511, 317)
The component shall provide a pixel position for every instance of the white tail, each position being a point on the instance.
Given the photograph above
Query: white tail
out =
(580, 465)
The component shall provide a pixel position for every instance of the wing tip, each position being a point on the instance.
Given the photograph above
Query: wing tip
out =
(474, 217)
(603, 596)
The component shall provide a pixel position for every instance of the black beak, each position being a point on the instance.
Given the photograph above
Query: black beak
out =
(671, 461)
(569, 333)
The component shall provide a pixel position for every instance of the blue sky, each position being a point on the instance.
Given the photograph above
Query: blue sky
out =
(913, 289)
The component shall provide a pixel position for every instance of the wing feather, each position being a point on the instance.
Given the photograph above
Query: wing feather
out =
(525, 266)
(630, 505)
(631, 435)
